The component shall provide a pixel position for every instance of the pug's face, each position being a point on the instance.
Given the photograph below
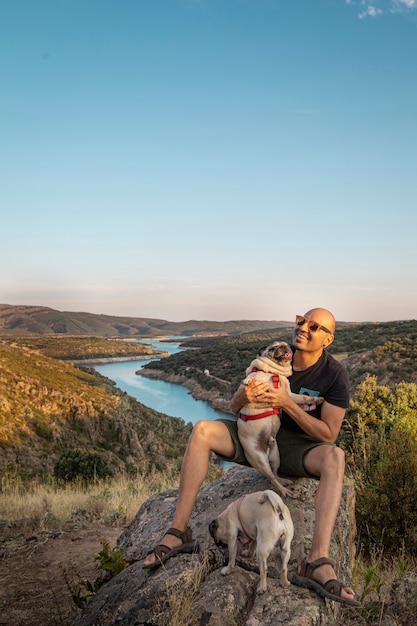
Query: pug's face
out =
(218, 530)
(279, 351)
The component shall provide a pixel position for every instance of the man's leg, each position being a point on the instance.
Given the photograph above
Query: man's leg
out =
(327, 462)
(206, 436)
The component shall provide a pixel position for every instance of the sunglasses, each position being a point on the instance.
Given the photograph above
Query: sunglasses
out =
(313, 326)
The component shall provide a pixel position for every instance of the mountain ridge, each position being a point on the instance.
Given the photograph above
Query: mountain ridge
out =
(17, 320)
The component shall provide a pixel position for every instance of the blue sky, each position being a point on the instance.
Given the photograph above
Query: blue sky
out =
(209, 159)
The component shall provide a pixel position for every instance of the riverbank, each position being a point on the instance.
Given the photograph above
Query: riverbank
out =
(119, 359)
(212, 397)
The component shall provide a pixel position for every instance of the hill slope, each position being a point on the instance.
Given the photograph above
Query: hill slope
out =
(48, 406)
(39, 320)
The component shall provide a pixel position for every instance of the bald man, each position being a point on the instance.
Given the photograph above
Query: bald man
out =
(307, 447)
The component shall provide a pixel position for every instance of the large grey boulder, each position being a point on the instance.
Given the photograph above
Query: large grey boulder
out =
(189, 589)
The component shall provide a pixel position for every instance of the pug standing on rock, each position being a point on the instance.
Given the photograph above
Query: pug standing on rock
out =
(258, 519)
(257, 427)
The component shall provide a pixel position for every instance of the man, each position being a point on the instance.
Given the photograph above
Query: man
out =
(306, 441)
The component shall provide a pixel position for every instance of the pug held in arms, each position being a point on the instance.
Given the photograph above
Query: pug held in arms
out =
(258, 519)
(257, 427)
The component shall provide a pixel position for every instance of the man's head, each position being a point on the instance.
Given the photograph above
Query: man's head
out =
(314, 331)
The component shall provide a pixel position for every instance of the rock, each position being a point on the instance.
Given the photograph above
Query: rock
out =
(189, 589)
(403, 598)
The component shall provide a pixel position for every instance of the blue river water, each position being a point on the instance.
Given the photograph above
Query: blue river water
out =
(173, 400)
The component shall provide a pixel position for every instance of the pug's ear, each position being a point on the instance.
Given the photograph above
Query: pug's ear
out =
(262, 350)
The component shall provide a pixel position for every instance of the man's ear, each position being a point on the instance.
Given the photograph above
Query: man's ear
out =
(328, 340)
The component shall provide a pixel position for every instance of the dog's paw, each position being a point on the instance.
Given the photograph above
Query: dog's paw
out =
(279, 487)
(249, 380)
(310, 400)
(225, 570)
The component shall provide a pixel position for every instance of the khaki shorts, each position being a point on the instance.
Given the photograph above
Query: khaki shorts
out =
(292, 448)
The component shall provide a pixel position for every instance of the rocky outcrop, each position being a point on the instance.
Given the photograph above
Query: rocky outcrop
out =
(190, 590)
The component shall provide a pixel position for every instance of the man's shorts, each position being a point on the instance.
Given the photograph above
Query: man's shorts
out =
(292, 448)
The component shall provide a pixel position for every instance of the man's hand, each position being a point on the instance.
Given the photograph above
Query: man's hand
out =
(269, 396)
(259, 393)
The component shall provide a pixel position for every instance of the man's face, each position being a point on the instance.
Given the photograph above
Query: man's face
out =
(310, 332)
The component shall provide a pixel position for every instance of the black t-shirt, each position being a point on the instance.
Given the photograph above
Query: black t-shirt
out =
(327, 378)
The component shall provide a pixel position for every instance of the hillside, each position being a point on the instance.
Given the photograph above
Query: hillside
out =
(39, 320)
(386, 350)
(48, 406)
(84, 348)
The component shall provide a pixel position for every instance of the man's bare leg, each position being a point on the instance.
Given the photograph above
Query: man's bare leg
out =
(206, 436)
(328, 462)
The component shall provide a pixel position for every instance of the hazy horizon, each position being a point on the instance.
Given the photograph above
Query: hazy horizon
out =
(187, 319)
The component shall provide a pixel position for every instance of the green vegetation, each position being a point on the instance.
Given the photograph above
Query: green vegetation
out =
(382, 457)
(81, 348)
(80, 464)
(386, 350)
(110, 561)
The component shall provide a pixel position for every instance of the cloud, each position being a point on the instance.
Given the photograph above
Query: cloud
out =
(370, 11)
(380, 7)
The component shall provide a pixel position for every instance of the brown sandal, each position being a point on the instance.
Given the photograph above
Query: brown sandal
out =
(163, 553)
(332, 589)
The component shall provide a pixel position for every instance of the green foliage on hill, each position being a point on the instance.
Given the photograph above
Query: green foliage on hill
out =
(380, 438)
(387, 350)
(80, 348)
(77, 464)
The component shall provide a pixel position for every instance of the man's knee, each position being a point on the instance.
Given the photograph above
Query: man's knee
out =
(337, 456)
(205, 430)
(214, 436)
(200, 430)
(325, 458)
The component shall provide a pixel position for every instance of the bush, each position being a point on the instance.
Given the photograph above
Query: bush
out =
(80, 464)
(386, 507)
(381, 446)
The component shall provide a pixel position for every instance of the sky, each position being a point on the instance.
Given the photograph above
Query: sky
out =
(209, 159)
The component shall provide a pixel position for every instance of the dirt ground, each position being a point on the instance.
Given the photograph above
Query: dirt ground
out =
(35, 570)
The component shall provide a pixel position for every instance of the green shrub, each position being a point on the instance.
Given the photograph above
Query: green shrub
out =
(42, 425)
(81, 464)
(386, 505)
(380, 439)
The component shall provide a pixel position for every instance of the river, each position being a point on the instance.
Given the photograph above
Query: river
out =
(173, 400)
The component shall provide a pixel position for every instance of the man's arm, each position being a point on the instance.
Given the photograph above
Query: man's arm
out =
(325, 429)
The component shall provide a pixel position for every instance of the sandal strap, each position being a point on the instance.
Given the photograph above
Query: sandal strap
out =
(334, 587)
(307, 569)
(160, 550)
(185, 536)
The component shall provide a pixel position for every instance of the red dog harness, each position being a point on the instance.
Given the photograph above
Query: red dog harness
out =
(273, 411)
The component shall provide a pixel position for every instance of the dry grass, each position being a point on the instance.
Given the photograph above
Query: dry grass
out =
(49, 506)
(182, 593)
